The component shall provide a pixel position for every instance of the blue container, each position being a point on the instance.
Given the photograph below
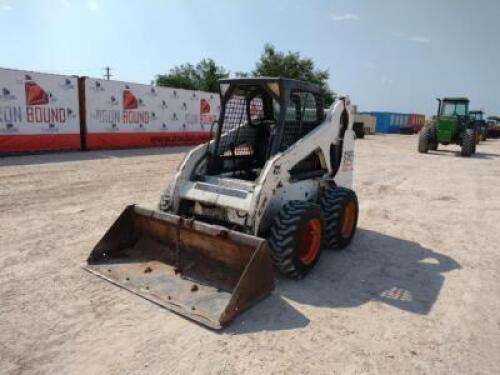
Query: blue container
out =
(383, 123)
(390, 122)
(395, 123)
(406, 122)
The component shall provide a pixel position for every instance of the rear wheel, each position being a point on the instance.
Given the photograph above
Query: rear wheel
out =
(468, 143)
(423, 140)
(296, 238)
(433, 143)
(340, 209)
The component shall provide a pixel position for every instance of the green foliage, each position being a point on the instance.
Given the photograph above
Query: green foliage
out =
(273, 63)
(204, 76)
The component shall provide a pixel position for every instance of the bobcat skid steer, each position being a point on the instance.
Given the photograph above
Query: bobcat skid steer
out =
(269, 192)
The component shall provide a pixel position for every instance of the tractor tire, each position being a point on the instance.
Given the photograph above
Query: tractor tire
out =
(433, 143)
(164, 203)
(296, 238)
(468, 143)
(340, 209)
(423, 140)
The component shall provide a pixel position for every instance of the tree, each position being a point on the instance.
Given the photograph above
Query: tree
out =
(292, 65)
(204, 76)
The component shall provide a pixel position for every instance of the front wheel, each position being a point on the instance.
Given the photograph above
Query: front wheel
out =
(433, 143)
(468, 143)
(296, 238)
(341, 210)
(423, 140)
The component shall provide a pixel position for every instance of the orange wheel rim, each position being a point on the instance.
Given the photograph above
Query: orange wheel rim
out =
(349, 219)
(311, 241)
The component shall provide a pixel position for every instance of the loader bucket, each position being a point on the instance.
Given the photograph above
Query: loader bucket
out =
(205, 272)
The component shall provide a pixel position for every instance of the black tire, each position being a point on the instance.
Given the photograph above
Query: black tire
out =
(468, 142)
(164, 203)
(433, 143)
(287, 235)
(359, 130)
(423, 140)
(334, 203)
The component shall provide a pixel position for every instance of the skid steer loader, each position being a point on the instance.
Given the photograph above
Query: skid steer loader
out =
(269, 191)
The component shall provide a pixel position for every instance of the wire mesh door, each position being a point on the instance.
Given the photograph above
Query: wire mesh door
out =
(238, 135)
(302, 115)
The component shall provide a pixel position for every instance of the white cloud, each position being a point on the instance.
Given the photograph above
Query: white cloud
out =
(92, 5)
(419, 39)
(345, 17)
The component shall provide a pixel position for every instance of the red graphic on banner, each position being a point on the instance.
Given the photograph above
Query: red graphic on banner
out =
(204, 106)
(129, 100)
(35, 95)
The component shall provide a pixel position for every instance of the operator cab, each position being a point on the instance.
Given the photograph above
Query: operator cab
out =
(476, 115)
(260, 117)
(453, 107)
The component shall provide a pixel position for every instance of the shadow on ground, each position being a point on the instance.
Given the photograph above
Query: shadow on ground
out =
(456, 153)
(485, 155)
(68, 156)
(375, 267)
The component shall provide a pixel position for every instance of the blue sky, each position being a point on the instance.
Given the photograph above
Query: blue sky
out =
(393, 55)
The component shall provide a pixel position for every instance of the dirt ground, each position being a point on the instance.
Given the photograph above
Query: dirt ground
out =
(418, 291)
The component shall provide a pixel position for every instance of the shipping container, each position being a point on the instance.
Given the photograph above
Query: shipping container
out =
(393, 122)
(386, 122)
(38, 112)
(123, 114)
(406, 127)
(416, 122)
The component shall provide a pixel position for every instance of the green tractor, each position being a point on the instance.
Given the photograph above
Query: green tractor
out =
(452, 125)
(478, 117)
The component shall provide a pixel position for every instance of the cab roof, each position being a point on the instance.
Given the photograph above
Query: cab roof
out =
(456, 99)
(283, 82)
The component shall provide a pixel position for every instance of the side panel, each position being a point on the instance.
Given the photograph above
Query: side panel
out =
(383, 121)
(274, 186)
(121, 114)
(446, 129)
(396, 122)
(38, 112)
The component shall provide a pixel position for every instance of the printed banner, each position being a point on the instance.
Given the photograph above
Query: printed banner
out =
(38, 112)
(121, 114)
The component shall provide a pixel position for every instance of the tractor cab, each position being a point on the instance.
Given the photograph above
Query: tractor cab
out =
(477, 115)
(453, 107)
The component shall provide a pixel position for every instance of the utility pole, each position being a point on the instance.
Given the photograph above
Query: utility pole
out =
(108, 75)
